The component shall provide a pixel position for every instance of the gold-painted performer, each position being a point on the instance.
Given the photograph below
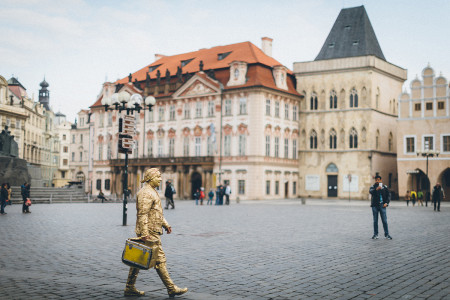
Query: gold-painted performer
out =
(149, 224)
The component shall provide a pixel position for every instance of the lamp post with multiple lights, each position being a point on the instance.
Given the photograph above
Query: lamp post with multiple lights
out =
(427, 153)
(123, 101)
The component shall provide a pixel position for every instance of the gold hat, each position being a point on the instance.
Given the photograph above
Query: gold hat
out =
(149, 174)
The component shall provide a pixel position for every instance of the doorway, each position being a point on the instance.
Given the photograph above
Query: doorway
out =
(286, 189)
(332, 186)
(196, 181)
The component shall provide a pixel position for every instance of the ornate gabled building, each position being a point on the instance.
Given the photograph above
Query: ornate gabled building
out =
(228, 114)
(79, 150)
(424, 134)
(348, 121)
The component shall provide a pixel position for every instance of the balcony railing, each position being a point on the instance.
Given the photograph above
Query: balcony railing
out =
(185, 160)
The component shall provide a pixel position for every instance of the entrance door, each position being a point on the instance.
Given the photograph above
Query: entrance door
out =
(332, 186)
(196, 180)
(286, 189)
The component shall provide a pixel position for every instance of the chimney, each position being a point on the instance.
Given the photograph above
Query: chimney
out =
(266, 45)
(158, 56)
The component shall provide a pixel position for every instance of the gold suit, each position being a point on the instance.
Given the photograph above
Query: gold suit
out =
(149, 226)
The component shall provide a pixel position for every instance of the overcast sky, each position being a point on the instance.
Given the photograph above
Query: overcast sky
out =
(78, 44)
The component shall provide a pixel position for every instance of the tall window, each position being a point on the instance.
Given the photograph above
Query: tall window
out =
(172, 113)
(277, 187)
(428, 143)
(267, 145)
(81, 156)
(160, 147)
(353, 98)
(171, 147)
(187, 111)
(228, 107)
(242, 144)
(446, 143)
(209, 148)
(101, 120)
(108, 152)
(277, 146)
(286, 148)
(286, 111)
(100, 152)
(267, 107)
(241, 187)
(109, 118)
(66, 149)
(390, 142)
(73, 156)
(107, 184)
(277, 109)
(136, 149)
(333, 99)
(313, 103)
(410, 145)
(161, 113)
(243, 106)
(186, 146)
(267, 187)
(353, 139)
(198, 146)
(81, 139)
(313, 140)
(150, 117)
(227, 145)
(294, 113)
(294, 149)
(150, 148)
(198, 109)
(99, 184)
(210, 108)
(333, 139)
(294, 188)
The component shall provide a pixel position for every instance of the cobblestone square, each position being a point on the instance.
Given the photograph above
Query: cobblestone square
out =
(252, 250)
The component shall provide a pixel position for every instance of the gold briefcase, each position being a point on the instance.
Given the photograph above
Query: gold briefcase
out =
(138, 255)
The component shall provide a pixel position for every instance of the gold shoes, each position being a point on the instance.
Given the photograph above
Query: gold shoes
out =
(130, 289)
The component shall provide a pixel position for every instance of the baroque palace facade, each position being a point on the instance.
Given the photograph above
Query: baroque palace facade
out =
(228, 114)
(348, 121)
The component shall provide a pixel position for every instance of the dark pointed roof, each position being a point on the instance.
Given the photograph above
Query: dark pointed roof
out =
(352, 35)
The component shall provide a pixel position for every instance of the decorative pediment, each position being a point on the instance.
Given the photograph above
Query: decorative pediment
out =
(199, 85)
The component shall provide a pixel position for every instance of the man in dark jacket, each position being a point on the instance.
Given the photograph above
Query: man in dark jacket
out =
(438, 196)
(168, 193)
(3, 198)
(380, 200)
(25, 191)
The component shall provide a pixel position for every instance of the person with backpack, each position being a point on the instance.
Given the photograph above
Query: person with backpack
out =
(413, 197)
(380, 201)
(168, 193)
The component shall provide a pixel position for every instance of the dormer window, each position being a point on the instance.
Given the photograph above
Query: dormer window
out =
(280, 76)
(153, 68)
(347, 27)
(185, 62)
(331, 45)
(236, 73)
(221, 56)
(355, 43)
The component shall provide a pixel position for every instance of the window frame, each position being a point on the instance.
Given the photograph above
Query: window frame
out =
(405, 144)
(442, 143)
(433, 136)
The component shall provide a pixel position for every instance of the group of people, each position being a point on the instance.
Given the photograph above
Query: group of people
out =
(437, 195)
(221, 192)
(5, 197)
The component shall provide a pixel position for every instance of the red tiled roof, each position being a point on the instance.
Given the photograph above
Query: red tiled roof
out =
(18, 91)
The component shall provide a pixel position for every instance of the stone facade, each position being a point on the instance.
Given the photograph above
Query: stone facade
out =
(79, 150)
(424, 130)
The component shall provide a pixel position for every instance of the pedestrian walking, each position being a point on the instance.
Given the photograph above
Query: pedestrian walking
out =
(438, 196)
(168, 193)
(196, 196)
(101, 196)
(202, 195)
(420, 198)
(149, 227)
(379, 202)
(25, 191)
(218, 195)
(210, 197)
(221, 194)
(413, 197)
(227, 194)
(3, 198)
(407, 197)
(8, 187)
(427, 198)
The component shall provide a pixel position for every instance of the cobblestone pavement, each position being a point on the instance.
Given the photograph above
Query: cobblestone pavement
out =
(252, 250)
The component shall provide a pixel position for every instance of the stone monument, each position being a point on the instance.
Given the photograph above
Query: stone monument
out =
(12, 169)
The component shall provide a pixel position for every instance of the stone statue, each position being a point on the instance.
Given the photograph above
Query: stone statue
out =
(149, 227)
(201, 65)
(8, 146)
(158, 77)
(179, 74)
(167, 75)
(130, 78)
(12, 169)
(147, 80)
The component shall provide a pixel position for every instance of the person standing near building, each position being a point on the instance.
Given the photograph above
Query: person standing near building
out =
(413, 197)
(427, 197)
(25, 191)
(419, 198)
(438, 196)
(3, 198)
(149, 227)
(8, 188)
(210, 197)
(407, 197)
(380, 201)
(227, 194)
(168, 193)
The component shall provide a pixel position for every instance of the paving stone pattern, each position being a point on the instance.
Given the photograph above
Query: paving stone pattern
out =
(252, 250)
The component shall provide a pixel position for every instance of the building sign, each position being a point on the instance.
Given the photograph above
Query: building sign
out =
(412, 171)
(127, 129)
(350, 183)
(312, 183)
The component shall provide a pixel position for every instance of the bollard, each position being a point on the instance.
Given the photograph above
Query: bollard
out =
(303, 201)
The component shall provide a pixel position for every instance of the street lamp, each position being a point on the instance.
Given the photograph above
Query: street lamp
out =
(123, 101)
(428, 153)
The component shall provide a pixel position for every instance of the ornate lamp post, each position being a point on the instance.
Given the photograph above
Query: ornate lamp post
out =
(428, 153)
(123, 101)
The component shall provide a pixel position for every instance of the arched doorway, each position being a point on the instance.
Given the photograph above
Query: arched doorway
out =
(332, 180)
(196, 181)
(444, 179)
(418, 181)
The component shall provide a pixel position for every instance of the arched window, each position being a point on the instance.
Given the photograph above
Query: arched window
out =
(353, 98)
(333, 99)
(313, 140)
(333, 139)
(377, 140)
(353, 139)
(390, 142)
(313, 101)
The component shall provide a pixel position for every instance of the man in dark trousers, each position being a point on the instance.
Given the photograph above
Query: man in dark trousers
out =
(380, 201)
(168, 193)
(438, 196)
(25, 191)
